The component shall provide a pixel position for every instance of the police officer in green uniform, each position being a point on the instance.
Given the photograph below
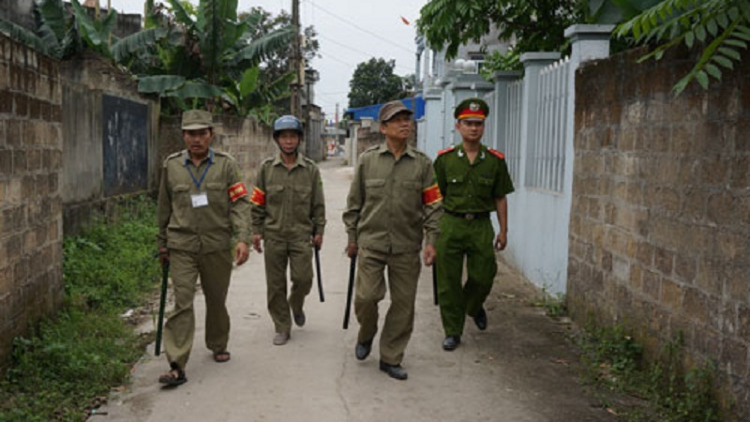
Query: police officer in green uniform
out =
(288, 217)
(202, 203)
(474, 181)
(392, 201)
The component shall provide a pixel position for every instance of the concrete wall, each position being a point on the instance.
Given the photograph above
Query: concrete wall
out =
(660, 221)
(30, 201)
(109, 133)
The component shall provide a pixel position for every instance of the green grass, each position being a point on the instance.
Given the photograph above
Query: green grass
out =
(65, 365)
(663, 390)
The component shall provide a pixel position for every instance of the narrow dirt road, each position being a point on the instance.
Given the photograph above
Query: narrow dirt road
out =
(519, 370)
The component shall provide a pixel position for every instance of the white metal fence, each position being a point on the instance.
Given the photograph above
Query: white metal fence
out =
(546, 160)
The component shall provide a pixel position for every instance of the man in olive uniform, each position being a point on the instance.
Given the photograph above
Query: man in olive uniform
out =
(288, 217)
(202, 203)
(393, 199)
(474, 181)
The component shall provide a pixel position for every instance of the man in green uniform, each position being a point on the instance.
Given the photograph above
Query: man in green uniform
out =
(393, 199)
(288, 217)
(474, 181)
(202, 202)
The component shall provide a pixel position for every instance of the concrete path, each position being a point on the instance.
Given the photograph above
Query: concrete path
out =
(519, 370)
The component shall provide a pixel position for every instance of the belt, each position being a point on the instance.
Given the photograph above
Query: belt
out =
(468, 215)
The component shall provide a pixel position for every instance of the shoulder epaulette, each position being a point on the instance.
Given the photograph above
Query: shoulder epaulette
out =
(446, 150)
(221, 153)
(267, 160)
(496, 153)
(372, 148)
(173, 155)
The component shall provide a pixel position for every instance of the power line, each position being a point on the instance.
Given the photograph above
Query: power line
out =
(363, 29)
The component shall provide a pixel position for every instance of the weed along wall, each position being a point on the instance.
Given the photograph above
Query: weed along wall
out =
(660, 222)
(30, 199)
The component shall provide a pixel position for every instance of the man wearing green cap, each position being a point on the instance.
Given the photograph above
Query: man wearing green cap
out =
(393, 204)
(474, 182)
(202, 202)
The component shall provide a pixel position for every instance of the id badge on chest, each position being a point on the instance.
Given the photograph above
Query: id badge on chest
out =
(199, 199)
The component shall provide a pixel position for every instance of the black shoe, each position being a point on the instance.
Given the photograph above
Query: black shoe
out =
(300, 319)
(451, 343)
(394, 371)
(362, 351)
(481, 319)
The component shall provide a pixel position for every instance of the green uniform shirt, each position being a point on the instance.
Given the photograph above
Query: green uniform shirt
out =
(287, 203)
(391, 202)
(205, 228)
(471, 188)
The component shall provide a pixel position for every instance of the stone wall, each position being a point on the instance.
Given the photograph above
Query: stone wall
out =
(660, 222)
(30, 200)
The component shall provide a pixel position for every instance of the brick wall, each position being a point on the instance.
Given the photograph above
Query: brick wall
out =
(30, 202)
(660, 222)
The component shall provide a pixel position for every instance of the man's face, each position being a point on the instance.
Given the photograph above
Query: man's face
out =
(288, 141)
(398, 128)
(470, 130)
(197, 141)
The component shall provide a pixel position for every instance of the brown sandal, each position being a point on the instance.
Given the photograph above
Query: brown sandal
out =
(222, 356)
(173, 378)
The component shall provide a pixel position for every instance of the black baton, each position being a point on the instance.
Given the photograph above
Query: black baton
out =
(434, 283)
(350, 290)
(320, 279)
(162, 303)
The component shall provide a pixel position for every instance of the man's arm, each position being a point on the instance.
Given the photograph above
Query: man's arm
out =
(432, 200)
(501, 205)
(239, 213)
(258, 208)
(163, 214)
(318, 209)
(354, 202)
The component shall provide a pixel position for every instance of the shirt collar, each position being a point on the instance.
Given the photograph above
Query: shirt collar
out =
(462, 152)
(300, 161)
(383, 148)
(186, 157)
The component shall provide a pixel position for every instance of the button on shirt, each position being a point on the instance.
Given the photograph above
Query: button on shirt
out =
(288, 203)
(471, 187)
(206, 228)
(386, 207)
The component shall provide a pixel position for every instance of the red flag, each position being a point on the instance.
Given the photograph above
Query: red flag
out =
(403, 19)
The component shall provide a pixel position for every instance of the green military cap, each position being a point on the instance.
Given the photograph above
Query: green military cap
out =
(471, 109)
(196, 119)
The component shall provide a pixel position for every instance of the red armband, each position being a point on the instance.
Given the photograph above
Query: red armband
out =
(237, 191)
(259, 197)
(431, 195)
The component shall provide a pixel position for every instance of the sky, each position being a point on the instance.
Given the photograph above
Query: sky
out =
(349, 32)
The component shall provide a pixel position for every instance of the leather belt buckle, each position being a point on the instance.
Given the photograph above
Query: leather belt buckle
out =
(470, 216)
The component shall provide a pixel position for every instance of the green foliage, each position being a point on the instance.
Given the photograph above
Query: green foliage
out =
(62, 366)
(373, 82)
(718, 29)
(530, 25)
(666, 390)
(554, 305)
(56, 35)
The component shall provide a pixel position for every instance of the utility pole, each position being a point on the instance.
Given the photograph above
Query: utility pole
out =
(295, 64)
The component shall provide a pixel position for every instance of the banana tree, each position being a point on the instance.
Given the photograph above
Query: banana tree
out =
(214, 51)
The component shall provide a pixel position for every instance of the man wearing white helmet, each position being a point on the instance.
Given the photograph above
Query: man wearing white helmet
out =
(288, 213)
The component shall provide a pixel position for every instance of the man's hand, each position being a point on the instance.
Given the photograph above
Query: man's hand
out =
(256, 243)
(351, 250)
(317, 241)
(428, 255)
(501, 241)
(241, 253)
(163, 256)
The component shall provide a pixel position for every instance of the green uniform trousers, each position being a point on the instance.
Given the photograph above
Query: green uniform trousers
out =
(474, 240)
(403, 274)
(277, 256)
(215, 270)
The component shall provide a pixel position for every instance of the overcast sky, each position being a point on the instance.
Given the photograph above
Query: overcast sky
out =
(349, 32)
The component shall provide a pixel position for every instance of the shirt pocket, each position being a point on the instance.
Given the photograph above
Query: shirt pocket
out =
(274, 196)
(375, 188)
(485, 187)
(217, 195)
(410, 193)
(455, 185)
(302, 194)
(181, 195)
